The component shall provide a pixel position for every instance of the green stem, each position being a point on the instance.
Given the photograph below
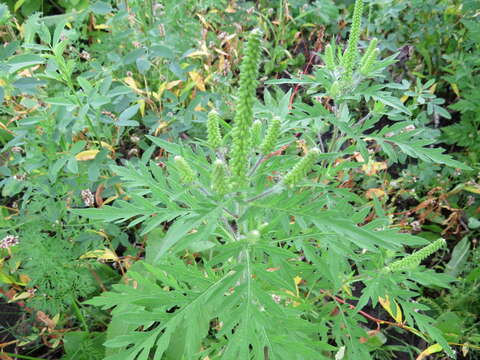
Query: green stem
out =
(273, 190)
(80, 317)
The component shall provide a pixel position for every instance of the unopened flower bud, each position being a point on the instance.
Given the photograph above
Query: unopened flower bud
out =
(369, 57)
(213, 130)
(300, 170)
(187, 174)
(270, 140)
(220, 182)
(256, 132)
(329, 57)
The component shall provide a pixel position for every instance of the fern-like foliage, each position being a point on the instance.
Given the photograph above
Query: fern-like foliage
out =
(55, 270)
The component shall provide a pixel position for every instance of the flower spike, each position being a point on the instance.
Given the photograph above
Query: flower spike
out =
(241, 133)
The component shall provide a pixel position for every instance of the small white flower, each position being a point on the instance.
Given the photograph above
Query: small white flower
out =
(416, 226)
(9, 241)
(276, 298)
(134, 138)
(87, 197)
(85, 55)
(20, 177)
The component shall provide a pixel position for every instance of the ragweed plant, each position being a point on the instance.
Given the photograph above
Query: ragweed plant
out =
(260, 242)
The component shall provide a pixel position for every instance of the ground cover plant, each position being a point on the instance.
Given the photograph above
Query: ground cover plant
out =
(179, 183)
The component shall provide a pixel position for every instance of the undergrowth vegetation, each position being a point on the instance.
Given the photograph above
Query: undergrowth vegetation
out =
(239, 180)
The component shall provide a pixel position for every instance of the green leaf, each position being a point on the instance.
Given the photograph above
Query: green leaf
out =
(174, 234)
(122, 211)
(459, 258)
(20, 62)
(162, 51)
(61, 101)
(56, 167)
(127, 114)
(170, 147)
(96, 101)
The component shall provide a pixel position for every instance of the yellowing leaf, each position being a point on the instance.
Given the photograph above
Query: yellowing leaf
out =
(373, 167)
(101, 26)
(161, 126)
(110, 199)
(374, 193)
(204, 22)
(101, 233)
(141, 102)
(21, 296)
(404, 98)
(105, 145)
(132, 84)
(105, 254)
(6, 279)
(455, 89)
(86, 155)
(198, 53)
(197, 79)
(166, 86)
(432, 88)
(347, 289)
(472, 188)
(297, 280)
(387, 306)
(432, 349)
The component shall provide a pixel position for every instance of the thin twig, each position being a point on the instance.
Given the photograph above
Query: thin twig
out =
(266, 193)
(230, 213)
(255, 167)
(366, 315)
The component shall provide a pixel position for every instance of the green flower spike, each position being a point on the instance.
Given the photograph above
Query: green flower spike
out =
(256, 132)
(351, 53)
(329, 57)
(219, 178)
(213, 130)
(413, 260)
(186, 172)
(369, 57)
(270, 140)
(241, 133)
(300, 170)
